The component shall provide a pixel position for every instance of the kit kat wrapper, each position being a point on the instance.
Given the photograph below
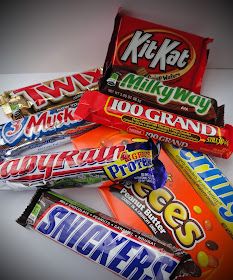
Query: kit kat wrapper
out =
(176, 57)
(98, 237)
(157, 124)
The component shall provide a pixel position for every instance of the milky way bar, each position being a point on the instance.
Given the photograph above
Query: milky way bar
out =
(148, 91)
(157, 124)
(123, 250)
(136, 162)
(47, 95)
(42, 131)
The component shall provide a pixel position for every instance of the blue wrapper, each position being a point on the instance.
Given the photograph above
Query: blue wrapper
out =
(149, 169)
(128, 253)
(41, 131)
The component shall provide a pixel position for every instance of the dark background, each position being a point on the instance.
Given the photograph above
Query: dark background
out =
(59, 36)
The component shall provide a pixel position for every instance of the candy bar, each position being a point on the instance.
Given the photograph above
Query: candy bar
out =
(148, 91)
(208, 181)
(175, 213)
(136, 162)
(48, 95)
(123, 250)
(41, 131)
(156, 124)
(169, 55)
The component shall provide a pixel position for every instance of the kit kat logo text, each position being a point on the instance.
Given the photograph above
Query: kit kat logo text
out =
(57, 89)
(161, 51)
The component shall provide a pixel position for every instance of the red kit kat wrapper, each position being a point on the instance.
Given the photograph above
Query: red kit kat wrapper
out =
(174, 57)
(157, 124)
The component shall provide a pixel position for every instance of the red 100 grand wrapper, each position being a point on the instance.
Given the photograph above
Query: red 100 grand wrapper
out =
(157, 124)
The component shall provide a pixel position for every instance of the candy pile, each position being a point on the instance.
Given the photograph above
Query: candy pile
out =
(105, 128)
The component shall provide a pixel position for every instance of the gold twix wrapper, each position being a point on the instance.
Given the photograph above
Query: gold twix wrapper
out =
(50, 94)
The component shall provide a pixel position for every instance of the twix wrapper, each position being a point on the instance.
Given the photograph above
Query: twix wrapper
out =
(169, 55)
(48, 95)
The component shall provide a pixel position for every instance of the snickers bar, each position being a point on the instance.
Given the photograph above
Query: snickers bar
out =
(124, 251)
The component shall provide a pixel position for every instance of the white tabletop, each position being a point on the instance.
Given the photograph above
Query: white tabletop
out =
(28, 255)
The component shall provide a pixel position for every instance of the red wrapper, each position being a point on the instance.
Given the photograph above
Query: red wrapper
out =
(157, 124)
(171, 56)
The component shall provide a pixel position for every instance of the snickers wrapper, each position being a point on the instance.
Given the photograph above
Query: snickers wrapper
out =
(123, 250)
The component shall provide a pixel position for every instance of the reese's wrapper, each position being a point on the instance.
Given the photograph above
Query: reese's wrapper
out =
(157, 124)
(151, 92)
(168, 55)
(179, 214)
(48, 95)
(123, 250)
(136, 162)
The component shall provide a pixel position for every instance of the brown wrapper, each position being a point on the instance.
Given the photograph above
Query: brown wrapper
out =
(134, 86)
